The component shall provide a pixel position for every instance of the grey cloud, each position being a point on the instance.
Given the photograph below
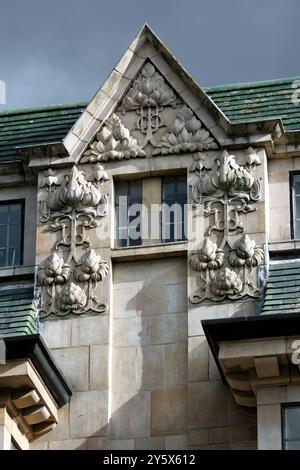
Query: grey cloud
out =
(61, 51)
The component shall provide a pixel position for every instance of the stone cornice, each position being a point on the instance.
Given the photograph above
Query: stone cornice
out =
(254, 352)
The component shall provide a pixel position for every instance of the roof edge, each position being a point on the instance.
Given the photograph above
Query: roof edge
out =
(34, 348)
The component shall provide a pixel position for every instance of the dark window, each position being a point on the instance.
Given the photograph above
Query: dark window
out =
(291, 427)
(174, 208)
(11, 233)
(128, 213)
(295, 204)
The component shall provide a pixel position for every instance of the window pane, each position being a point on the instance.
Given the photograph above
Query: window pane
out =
(174, 192)
(3, 235)
(3, 214)
(297, 229)
(2, 257)
(181, 186)
(135, 191)
(292, 445)
(15, 213)
(168, 188)
(297, 184)
(10, 234)
(14, 238)
(292, 422)
(121, 190)
(13, 257)
(128, 212)
(297, 207)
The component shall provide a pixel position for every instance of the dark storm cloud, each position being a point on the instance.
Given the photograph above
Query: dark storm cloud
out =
(60, 51)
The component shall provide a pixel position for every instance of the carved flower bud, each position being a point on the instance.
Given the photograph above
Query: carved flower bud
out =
(54, 271)
(193, 125)
(120, 132)
(73, 297)
(91, 267)
(207, 257)
(245, 251)
(226, 283)
(50, 179)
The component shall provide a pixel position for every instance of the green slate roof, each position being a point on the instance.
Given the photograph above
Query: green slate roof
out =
(259, 100)
(239, 102)
(282, 294)
(35, 126)
(17, 311)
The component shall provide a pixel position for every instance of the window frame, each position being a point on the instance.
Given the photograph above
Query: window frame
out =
(117, 179)
(283, 421)
(22, 202)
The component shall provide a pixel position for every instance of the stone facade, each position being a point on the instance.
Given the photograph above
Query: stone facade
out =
(124, 324)
(141, 369)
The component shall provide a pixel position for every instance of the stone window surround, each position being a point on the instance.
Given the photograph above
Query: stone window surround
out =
(157, 245)
(269, 414)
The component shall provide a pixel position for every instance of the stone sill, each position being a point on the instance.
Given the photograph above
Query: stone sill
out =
(284, 246)
(16, 271)
(161, 250)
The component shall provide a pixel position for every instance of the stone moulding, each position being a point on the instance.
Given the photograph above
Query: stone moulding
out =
(71, 205)
(226, 189)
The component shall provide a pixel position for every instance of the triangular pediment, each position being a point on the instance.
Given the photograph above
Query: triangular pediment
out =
(148, 106)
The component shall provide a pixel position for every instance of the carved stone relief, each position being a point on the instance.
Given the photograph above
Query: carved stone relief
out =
(71, 205)
(151, 120)
(227, 264)
(113, 142)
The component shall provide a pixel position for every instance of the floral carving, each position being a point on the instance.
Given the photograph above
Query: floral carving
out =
(92, 268)
(55, 271)
(71, 205)
(113, 142)
(76, 200)
(245, 252)
(72, 298)
(227, 189)
(186, 134)
(207, 257)
(149, 90)
(62, 295)
(226, 178)
(226, 284)
(147, 97)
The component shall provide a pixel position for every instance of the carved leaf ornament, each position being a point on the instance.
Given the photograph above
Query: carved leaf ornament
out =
(72, 204)
(228, 269)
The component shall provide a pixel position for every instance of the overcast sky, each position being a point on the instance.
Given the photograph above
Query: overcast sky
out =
(60, 51)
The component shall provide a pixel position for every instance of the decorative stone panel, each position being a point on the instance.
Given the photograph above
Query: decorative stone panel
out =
(228, 260)
(151, 120)
(71, 205)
